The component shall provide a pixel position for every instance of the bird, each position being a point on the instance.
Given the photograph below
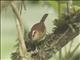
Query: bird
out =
(38, 31)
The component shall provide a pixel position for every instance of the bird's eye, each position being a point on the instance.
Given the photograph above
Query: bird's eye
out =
(33, 33)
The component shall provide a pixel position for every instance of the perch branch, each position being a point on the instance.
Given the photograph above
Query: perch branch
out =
(20, 28)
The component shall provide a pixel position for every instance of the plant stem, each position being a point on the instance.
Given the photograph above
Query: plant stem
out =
(20, 29)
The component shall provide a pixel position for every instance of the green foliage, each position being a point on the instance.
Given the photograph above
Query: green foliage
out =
(62, 4)
(55, 5)
(64, 20)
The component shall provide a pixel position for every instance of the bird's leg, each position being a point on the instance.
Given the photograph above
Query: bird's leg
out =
(35, 52)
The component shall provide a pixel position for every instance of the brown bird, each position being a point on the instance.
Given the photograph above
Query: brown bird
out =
(36, 34)
(38, 30)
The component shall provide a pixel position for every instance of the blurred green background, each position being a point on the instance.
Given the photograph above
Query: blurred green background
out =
(31, 15)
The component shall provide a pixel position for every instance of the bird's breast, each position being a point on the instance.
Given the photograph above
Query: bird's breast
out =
(38, 35)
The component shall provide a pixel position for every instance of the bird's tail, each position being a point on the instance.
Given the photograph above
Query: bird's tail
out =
(44, 17)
